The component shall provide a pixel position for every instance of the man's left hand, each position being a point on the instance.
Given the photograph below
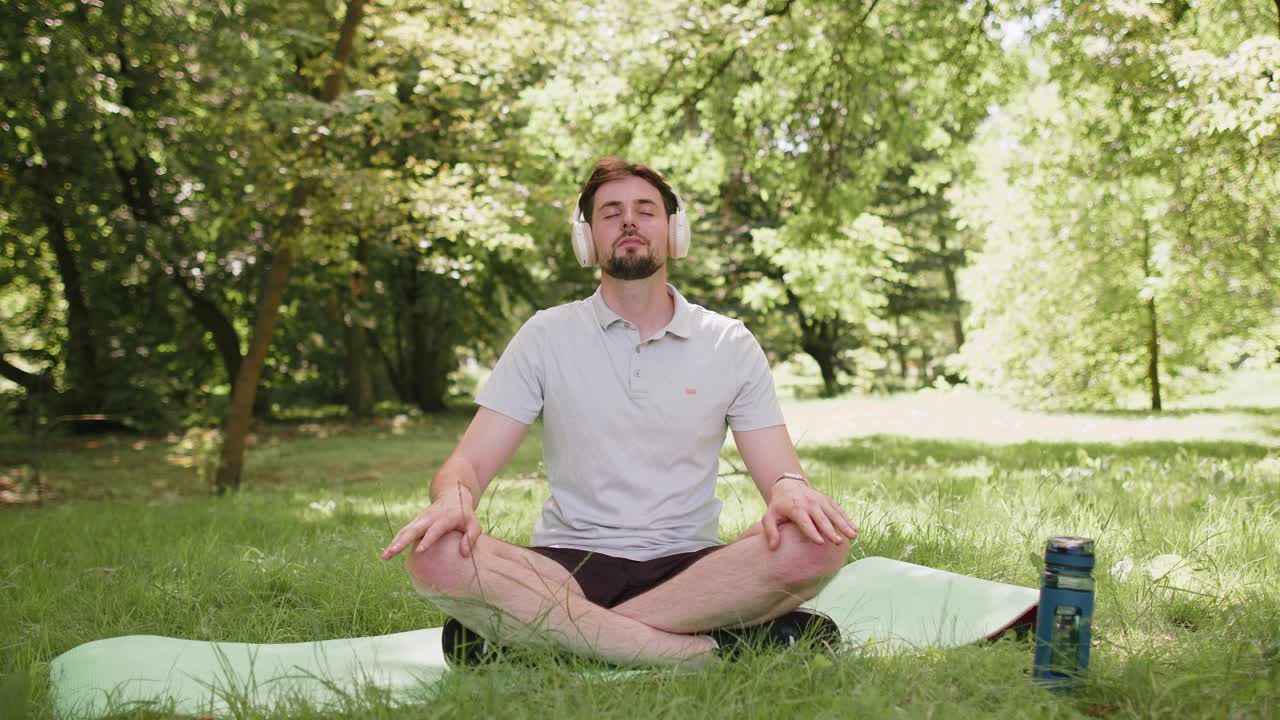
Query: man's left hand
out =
(815, 514)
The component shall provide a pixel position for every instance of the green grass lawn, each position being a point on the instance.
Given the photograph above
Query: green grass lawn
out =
(1188, 600)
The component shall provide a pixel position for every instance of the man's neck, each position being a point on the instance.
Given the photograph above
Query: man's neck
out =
(644, 303)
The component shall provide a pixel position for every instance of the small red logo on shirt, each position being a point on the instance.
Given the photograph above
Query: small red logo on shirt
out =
(691, 391)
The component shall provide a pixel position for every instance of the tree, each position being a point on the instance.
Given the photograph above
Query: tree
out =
(809, 108)
(1128, 151)
(290, 229)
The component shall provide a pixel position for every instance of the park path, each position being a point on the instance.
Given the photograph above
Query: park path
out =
(1251, 413)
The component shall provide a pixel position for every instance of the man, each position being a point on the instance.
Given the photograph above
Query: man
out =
(635, 387)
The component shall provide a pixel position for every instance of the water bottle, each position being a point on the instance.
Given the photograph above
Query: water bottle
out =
(1065, 615)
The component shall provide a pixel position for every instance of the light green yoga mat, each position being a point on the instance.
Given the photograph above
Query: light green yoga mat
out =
(881, 605)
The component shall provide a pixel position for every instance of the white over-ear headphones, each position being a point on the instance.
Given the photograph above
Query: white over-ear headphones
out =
(677, 234)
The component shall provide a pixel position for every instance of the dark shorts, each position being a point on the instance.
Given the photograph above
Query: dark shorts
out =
(610, 581)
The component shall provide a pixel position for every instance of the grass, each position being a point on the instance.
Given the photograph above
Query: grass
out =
(132, 544)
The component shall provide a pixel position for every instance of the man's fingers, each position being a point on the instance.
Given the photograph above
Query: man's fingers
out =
(392, 550)
(431, 525)
(400, 541)
(805, 523)
(825, 526)
(470, 536)
(843, 520)
(433, 533)
(770, 523)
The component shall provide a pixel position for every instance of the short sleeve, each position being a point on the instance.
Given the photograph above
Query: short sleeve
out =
(756, 404)
(515, 387)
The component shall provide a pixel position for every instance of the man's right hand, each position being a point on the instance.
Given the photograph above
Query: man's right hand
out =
(451, 511)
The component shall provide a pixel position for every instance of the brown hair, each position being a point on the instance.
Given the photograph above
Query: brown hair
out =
(615, 168)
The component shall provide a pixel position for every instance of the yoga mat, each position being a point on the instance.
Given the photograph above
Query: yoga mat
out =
(881, 605)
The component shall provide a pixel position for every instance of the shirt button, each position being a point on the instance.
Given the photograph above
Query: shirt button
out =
(637, 373)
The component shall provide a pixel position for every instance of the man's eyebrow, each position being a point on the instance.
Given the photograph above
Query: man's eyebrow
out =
(618, 203)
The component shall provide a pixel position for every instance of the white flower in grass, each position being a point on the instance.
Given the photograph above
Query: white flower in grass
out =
(1121, 569)
(326, 506)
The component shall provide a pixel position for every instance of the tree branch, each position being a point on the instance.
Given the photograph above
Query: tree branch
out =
(863, 22)
(34, 384)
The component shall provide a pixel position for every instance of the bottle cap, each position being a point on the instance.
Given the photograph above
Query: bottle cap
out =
(1070, 545)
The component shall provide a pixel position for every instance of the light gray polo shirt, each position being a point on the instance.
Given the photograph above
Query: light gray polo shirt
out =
(632, 431)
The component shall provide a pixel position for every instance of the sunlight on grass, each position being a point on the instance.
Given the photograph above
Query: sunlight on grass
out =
(1188, 609)
(1247, 410)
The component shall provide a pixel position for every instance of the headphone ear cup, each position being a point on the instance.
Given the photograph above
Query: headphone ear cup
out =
(583, 247)
(678, 234)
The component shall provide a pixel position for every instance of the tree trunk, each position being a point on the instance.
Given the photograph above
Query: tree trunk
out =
(239, 415)
(1153, 328)
(83, 392)
(1153, 353)
(391, 365)
(430, 368)
(827, 365)
(85, 389)
(953, 293)
(216, 322)
(359, 377)
(426, 365)
(819, 341)
(900, 349)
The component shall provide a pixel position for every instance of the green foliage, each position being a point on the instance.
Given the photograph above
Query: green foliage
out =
(1112, 197)
(832, 274)
(829, 152)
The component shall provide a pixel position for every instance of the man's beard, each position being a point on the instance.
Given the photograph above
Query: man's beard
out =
(629, 266)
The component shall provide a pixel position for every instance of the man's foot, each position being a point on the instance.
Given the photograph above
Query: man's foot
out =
(464, 647)
(801, 625)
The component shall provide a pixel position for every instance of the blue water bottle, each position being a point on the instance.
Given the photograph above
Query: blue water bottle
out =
(1065, 615)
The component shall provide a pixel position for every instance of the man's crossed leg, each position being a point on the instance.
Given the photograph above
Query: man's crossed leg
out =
(514, 596)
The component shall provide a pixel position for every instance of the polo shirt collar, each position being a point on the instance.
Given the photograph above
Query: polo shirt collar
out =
(681, 322)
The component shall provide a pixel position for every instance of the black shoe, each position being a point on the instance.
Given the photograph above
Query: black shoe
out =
(801, 625)
(464, 647)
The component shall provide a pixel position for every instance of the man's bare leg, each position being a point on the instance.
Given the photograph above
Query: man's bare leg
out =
(514, 596)
(765, 584)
